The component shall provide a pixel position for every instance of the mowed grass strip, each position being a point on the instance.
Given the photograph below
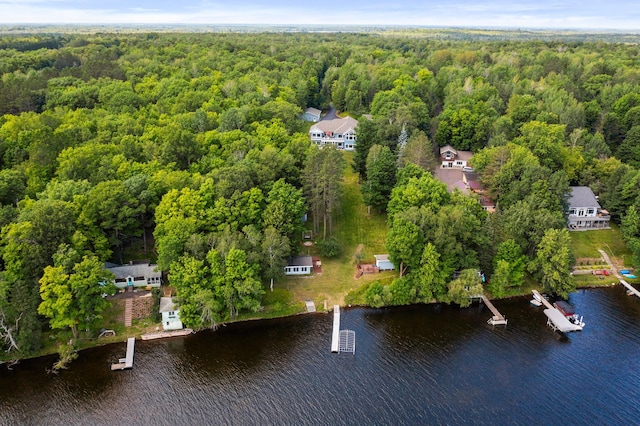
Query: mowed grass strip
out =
(585, 244)
(352, 226)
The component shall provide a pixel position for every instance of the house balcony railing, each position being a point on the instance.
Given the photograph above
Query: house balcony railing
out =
(593, 217)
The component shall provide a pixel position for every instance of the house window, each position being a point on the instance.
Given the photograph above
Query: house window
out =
(572, 211)
(459, 163)
(590, 211)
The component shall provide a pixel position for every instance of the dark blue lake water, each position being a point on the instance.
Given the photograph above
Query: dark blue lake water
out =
(416, 365)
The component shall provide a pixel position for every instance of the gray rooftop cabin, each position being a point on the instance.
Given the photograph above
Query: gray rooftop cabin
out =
(585, 212)
(142, 274)
(300, 265)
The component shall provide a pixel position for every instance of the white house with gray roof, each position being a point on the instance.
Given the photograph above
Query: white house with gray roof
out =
(340, 132)
(300, 265)
(134, 274)
(585, 211)
(170, 314)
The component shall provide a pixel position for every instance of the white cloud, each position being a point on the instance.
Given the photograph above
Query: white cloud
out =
(512, 14)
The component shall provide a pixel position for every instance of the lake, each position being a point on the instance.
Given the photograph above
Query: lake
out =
(426, 364)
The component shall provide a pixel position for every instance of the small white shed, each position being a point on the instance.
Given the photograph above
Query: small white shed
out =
(383, 262)
(170, 315)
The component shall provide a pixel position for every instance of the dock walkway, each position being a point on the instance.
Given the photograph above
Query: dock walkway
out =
(335, 338)
(126, 362)
(498, 318)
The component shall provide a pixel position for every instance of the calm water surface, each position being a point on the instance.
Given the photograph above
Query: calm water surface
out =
(417, 365)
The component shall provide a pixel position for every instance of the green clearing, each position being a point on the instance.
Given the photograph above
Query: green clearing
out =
(354, 226)
(585, 245)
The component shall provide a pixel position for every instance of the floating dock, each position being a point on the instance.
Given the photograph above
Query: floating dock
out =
(335, 338)
(127, 362)
(498, 318)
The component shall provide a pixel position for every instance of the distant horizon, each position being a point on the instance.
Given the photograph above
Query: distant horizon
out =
(320, 27)
(569, 15)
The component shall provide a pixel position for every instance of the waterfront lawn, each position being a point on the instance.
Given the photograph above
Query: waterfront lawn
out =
(352, 227)
(585, 244)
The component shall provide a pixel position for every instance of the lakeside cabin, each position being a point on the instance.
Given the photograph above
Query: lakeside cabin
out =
(170, 315)
(300, 265)
(135, 274)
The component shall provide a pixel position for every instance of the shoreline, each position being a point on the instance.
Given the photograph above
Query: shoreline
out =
(98, 343)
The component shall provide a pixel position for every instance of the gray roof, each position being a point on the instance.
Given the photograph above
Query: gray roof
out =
(582, 196)
(337, 125)
(143, 270)
(301, 261)
(313, 111)
(167, 305)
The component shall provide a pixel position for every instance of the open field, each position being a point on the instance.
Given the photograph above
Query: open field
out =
(354, 226)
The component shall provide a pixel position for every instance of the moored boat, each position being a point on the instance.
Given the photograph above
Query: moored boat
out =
(568, 311)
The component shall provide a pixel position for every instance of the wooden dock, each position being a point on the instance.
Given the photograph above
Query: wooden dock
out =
(631, 290)
(335, 338)
(126, 362)
(498, 318)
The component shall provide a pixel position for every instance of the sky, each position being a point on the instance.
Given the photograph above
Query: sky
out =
(555, 14)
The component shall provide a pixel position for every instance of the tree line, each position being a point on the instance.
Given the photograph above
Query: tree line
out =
(191, 147)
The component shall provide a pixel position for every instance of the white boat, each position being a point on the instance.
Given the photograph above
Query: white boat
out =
(567, 310)
(535, 302)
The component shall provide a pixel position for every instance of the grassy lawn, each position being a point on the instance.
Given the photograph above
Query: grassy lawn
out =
(585, 245)
(354, 226)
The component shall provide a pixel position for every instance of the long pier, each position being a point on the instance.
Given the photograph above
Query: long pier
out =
(335, 338)
(498, 318)
(630, 289)
(126, 362)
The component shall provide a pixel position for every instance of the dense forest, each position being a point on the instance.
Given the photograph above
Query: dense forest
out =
(190, 146)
